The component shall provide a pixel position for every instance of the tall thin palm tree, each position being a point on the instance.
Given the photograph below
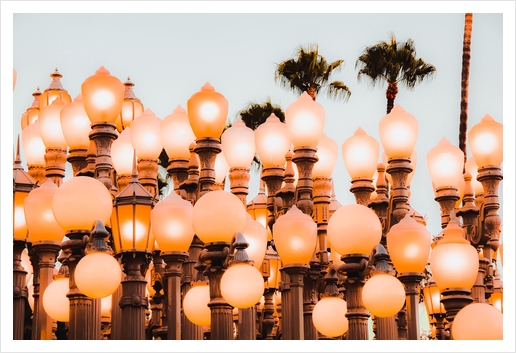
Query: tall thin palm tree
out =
(310, 72)
(466, 57)
(393, 62)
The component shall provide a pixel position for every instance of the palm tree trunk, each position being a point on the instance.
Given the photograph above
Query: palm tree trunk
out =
(311, 92)
(466, 57)
(392, 92)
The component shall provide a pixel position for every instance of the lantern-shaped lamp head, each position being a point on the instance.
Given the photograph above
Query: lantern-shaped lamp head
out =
(177, 134)
(171, 221)
(132, 107)
(454, 261)
(257, 208)
(76, 125)
(238, 145)
(217, 216)
(354, 229)
(207, 112)
(305, 121)
(22, 186)
(327, 151)
(103, 96)
(146, 135)
(272, 142)
(274, 267)
(398, 133)
(295, 236)
(486, 142)
(445, 163)
(409, 244)
(55, 90)
(130, 220)
(360, 153)
(432, 296)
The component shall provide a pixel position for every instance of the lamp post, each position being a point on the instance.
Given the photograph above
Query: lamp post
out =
(22, 186)
(273, 261)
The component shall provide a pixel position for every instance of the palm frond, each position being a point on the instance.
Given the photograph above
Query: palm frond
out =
(337, 90)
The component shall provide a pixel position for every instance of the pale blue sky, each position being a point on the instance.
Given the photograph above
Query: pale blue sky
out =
(170, 56)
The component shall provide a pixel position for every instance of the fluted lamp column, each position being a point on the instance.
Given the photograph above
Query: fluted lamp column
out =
(45, 234)
(295, 236)
(409, 248)
(215, 226)
(177, 136)
(146, 140)
(76, 128)
(207, 112)
(130, 223)
(103, 96)
(77, 204)
(171, 221)
(22, 186)
(354, 231)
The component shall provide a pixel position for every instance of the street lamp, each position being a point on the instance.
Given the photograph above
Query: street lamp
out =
(54, 91)
(31, 114)
(132, 107)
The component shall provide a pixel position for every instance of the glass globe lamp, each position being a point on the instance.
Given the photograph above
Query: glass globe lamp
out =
(132, 107)
(305, 121)
(122, 153)
(195, 304)
(30, 115)
(354, 229)
(272, 142)
(398, 133)
(177, 134)
(478, 321)
(360, 153)
(327, 151)
(55, 301)
(383, 295)
(241, 285)
(98, 275)
(33, 145)
(50, 125)
(103, 96)
(256, 235)
(146, 135)
(329, 316)
(486, 142)
(445, 163)
(221, 168)
(207, 112)
(238, 145)
(472, 168)
(75, 124)
(217, 216)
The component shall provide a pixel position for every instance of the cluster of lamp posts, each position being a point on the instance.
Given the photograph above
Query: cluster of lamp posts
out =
(319, 269)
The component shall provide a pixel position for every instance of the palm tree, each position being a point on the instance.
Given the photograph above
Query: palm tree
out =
(466, 57)
(309, 72)
(254, 114)
(393, 62)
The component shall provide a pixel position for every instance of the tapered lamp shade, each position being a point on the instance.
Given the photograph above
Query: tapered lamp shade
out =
(207, 112)
(305, 121)
(354, 229)
(195, 304)
(275, 264)
(132, 107)
(383, 295)
(409, 245)
(80, 201)
(478, 321)
(55, 301)
(98, 275)
(329, 316)
(257, 208)
(454, 261)
(177, 134)
(39, 215)
(432, 295)
(445, 163)
(472, 168)
(217, 216)
(146, 135)
(122, 153)
(295, 236)
(272, 142)
(32, 144)
(76, 125)
(54, 91)
(360, 153)
(327, 151)
(256, 235)
(486, 142)
(103, 96)
(50, 125)
(238, 145)
(398, 133)
(171, 221)
(241, 285)
(221, 168)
